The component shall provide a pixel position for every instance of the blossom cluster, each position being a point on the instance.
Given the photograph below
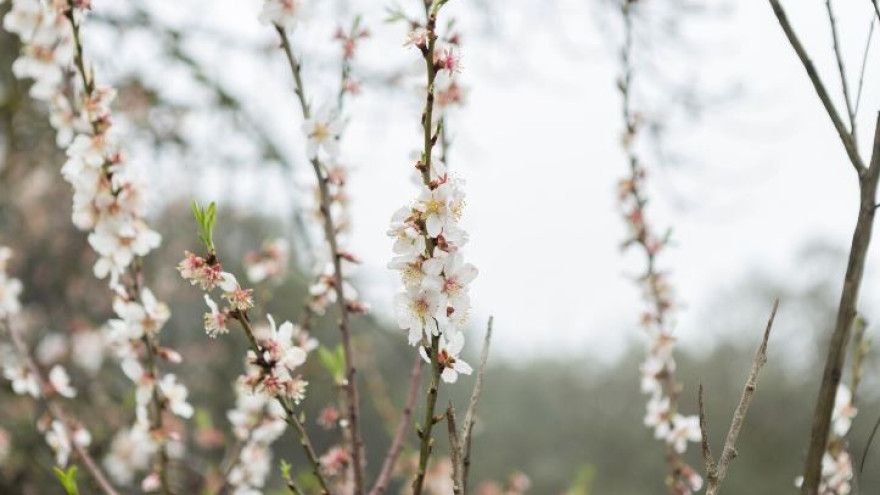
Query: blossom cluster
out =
(279, 350)
(108, 199)
(257, 422)
(428, 257)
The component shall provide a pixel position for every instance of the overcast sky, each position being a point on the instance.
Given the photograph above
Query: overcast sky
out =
(538, 144)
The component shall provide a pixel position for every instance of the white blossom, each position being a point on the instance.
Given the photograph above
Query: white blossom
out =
(323, 130)
(60, 382)
(58, 437)
(176, 394)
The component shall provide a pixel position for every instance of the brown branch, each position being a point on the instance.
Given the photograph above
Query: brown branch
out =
(57, 412)
(396, 447)
(357, 441)
(845, 137)
(840, 68)
(715, 473)
(471, 416)
(843, 327)
(454, 450)
(864, 65)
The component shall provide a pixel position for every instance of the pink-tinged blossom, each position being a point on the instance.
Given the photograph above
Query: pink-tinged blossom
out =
(280, 347)
(60, 382)
(323, 130)
(283, 13)
(215, 320)
(10, 289)
(684, 429)
(418, 37)
(129, 454)
(269, 263)
(448, 358)
(176, 394)
(23, 381)
(417, 312)
(334, 461)
(61, 440)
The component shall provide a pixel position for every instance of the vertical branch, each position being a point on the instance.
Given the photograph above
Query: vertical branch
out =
(845, 315)
(351, 388)
(454, 451)
(424, 430)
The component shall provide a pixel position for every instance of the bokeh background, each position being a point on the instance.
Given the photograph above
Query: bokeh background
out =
(744, 167)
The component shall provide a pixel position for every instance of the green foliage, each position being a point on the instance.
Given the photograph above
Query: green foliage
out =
(583, 481)
(207, 218)
(334, 362)
(67, 479)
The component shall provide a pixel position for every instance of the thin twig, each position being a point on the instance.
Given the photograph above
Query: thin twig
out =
(845, 137)
(715, 473)
(397, 441)
(357, 442)
(454, 450)
(470, 416)
(842, 70)
(864, 65)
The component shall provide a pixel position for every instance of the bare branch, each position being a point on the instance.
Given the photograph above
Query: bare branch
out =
(846, 313)
(715, 474)
(454, 450)
(864, 65)
(840, 68)
(391, 457)
(470, 416)
(708, 458)
(845, 137)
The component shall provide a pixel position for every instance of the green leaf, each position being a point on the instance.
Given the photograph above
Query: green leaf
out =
(67, 479)
(206, 218)
(285, 471)
(333, 361)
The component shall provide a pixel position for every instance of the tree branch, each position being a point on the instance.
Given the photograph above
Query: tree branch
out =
(840, 68)
(396, 447)
(843, 327)
(845, 137)
(715, 473)
(471, 416)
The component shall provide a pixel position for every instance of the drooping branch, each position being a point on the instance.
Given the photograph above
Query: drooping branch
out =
(716, 472)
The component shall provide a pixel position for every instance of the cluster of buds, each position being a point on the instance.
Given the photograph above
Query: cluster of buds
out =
(276, 352)
(257, 422)
(269, 263)
(448, 91)
(349, 40)
(109, 198)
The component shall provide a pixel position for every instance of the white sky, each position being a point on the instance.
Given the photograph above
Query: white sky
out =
(538, 146)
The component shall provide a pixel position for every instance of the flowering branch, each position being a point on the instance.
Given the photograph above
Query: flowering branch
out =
(658, 369)
(322, 133)
(717, 471)
(109, 203)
